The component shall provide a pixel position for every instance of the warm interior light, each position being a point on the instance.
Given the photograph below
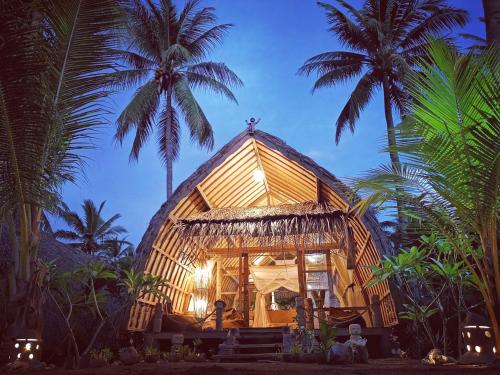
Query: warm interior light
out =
(487, 334)
(37, 347)
(258, 260)
(16, 345)
(19, 355)
(31, 356)
(494, 350)
(468, 348)
(200, 304)
(468, 334)
(28, 346)
(259, 175)
(203, 275)
(477, 348)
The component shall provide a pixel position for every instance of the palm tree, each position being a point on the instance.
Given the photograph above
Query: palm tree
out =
(386, 38)
(492, 19)
(55, 57)
(92, 233)
(451, 141)
(165, 59)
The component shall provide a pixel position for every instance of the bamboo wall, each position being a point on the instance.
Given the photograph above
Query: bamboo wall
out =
(227, 180)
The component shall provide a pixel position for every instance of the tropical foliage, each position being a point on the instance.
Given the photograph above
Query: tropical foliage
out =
(385, 39)
(165, 60)
(91, 233)
(55, 58)
(86, 293)
(451, 173)
(434, 283)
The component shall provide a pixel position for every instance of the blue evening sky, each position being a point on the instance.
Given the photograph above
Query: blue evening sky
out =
(271, 39)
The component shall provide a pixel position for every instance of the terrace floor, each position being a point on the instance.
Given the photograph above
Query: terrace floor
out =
(375, 367)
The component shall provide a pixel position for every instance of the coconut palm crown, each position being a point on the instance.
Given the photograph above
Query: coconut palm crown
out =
(90, 233)
(165, 60)
(385, 37)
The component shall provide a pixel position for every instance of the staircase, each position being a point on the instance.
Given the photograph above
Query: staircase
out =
(254, 344)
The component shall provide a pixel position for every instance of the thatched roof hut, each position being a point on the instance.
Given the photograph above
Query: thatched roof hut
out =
(260, 197)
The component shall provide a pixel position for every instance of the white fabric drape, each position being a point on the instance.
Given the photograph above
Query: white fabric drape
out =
(267, 279)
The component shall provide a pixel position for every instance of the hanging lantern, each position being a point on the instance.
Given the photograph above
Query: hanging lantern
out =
(478, 340)
(200, 304)
(202, 278)
(203, 275)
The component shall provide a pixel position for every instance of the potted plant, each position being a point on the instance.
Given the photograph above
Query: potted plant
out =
(100, 358)
(151, 354)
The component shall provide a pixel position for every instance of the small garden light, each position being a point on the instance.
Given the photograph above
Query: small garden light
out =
(478, 340)
(27, 349)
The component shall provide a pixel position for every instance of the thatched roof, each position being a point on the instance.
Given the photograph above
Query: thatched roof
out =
(309, 221)
(185, 188)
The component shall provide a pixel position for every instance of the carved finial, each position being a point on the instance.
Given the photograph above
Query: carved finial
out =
(251, 124)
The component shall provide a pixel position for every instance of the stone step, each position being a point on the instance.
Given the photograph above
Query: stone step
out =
(247, 357)
(249, 346)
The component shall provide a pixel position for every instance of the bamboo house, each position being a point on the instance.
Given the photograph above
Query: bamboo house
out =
(256, 226)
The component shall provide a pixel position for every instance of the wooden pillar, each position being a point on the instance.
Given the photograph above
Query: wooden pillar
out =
(157, 318)
(246, 292)
(219, 309)
(218, 280)
(301, 273)
(240, 284)
(377, 320)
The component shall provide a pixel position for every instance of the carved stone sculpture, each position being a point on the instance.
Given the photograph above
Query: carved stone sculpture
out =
(357, 344)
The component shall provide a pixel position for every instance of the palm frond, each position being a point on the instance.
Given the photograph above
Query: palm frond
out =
(359, 98)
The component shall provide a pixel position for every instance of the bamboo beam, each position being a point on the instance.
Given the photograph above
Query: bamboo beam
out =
(236, 252)
(363, 247)
(261, 167)
(204, 197)
(176, 261)
(240, 282)
(246, 294)
(300, 272)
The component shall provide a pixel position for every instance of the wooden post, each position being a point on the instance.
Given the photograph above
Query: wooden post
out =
(218, 280)
(377, 320)
(301, 273)
(246, 294)
(157, 318)
(240, 284)
(219, 309)
(309, 313)
(301, 314)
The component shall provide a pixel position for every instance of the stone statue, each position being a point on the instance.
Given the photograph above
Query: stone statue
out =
(357, 344)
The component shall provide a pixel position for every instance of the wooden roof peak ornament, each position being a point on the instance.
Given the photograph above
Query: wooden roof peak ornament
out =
(251, 124)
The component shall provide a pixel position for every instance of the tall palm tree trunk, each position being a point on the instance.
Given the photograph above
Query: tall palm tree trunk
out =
(168, 140)
(492, 19)
(391, 140)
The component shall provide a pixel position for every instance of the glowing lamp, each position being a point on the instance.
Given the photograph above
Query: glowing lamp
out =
(200, 304)
(258, 175)
(478, 340)
(203, 275)
(26, 349)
